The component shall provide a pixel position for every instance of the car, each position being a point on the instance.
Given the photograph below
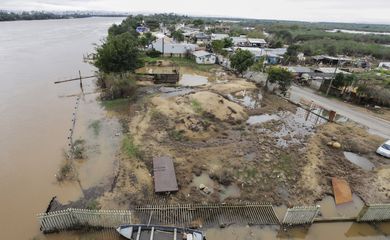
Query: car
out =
(384, 149)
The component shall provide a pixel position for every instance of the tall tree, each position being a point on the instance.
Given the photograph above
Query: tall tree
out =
(178, 36)
(280, 76)
(242, 60)
(119, 53)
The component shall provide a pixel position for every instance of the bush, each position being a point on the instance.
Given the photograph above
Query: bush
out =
(117, 85)
(153, 53)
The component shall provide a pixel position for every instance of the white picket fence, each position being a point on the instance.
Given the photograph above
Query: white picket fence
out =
(300, 215)
(76, 218)
(374, 212)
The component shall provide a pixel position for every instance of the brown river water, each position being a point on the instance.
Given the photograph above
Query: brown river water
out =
(34, 124)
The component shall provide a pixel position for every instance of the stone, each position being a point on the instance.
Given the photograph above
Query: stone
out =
(336, 145)
(202, 186)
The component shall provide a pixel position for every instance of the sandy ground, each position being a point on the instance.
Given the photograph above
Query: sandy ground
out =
(284, 160)
(207, 136)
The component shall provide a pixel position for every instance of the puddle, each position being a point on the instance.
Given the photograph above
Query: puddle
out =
(193, 80)
(294, 127)
(330, 209)
(257, 119)
(247, 99)
(250, 156)
(168, 92)
(232, 191)
(359, 160)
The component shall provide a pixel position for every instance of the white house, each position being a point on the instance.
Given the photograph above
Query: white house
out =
(384, 65)
(169, 48)
(203, 57)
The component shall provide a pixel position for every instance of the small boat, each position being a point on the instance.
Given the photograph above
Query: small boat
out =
(153, 232)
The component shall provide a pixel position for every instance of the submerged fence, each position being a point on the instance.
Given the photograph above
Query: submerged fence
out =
(188, 215)
(301, 215)
(196, 215)
(374, 212)
(78, 218)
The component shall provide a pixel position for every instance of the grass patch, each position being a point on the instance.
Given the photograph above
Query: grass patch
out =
(176, 135)
(130, 148)
(66, 172)
(196, 106)
(286, 163)
(95, 126)
(93, 205)
(78, 150)
(117, 105)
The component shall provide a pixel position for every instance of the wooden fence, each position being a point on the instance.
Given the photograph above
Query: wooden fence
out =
(78, 218)
(374, 212)
(300, 215)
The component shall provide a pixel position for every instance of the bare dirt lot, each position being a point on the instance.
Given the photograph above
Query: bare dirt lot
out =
(232, 142)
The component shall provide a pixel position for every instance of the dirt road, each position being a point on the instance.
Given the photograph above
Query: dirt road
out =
(376, 125)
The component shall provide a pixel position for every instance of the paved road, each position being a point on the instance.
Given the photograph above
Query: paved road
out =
(376, 125)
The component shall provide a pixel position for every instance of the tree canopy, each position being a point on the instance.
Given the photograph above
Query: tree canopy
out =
(119, 53)
(178, 36)
(242, 60)
(280, 76)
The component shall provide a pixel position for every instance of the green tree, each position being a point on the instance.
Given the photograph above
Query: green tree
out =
(118, 53)
(292, 54)
(228, 42)
(146, 39)
(280, 76)
(217, 46)
(343, 80)
(198, 22)
(259, 65)
(178, 36)
(242, 60)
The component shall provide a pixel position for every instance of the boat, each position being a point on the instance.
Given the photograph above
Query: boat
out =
(154, 232)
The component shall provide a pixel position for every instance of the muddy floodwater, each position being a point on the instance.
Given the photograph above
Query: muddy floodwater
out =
(36, 116)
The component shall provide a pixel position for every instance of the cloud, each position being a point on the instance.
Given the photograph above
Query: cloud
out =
(310, 10)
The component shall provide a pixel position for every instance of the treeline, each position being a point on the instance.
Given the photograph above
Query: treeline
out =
(295, 33)
(11, 16)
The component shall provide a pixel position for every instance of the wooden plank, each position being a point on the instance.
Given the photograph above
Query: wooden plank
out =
(164, 175)
(342, 191)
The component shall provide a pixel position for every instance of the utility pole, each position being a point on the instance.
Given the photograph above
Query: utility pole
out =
(334, 77)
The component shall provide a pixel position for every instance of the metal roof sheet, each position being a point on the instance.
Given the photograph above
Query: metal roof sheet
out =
(164, 175)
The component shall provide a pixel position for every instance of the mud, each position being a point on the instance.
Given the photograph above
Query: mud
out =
(270, 151)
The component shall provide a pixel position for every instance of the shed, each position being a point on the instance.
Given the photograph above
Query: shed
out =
(164, 175)
(203, 57)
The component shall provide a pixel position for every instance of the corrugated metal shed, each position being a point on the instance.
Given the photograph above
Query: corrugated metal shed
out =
(164, 175)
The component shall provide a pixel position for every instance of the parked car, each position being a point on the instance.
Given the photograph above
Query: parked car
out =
(384, 149)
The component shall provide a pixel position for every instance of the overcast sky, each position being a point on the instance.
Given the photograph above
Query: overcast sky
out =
(362, 11)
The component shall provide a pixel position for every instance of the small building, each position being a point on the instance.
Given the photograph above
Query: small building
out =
(219, 36)
(329, 60)
(164, 175)
(202, 38)
(169, 48)
(257, 42)
(203, 57)
(384, 65)
(142, 29)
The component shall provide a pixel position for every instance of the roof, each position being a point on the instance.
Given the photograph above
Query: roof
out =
(164, 175)
(257, 40)
(239, 40)
(299, 69)
(330, 70)
(201, 53)
(219, 36)
(321, 57)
